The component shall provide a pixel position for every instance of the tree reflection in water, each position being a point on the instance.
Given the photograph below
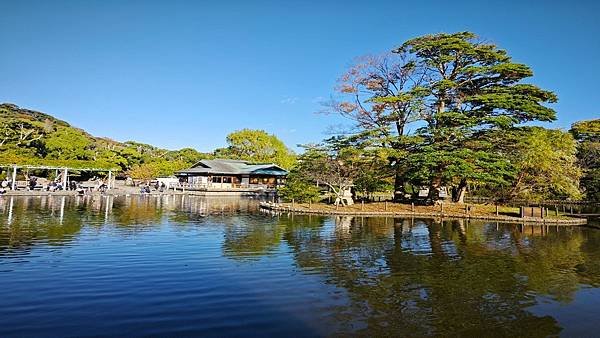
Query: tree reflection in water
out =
(423, 277)
(407, 277)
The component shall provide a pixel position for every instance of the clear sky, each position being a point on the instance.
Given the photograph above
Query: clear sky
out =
(186, 73)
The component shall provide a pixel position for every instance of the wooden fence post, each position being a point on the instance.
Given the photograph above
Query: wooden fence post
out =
(542, 212)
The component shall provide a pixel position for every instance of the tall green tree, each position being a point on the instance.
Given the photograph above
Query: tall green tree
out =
(587, 134)
(257, 146)
(382, 95)
(546, 164)
(433, 105)
(473, 89)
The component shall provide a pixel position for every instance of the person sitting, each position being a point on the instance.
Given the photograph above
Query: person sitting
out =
(32, 182)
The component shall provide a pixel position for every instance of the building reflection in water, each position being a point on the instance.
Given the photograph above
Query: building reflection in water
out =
(403, 276)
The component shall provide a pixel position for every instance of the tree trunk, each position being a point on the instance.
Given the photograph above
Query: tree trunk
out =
(458, 193)
(399, 184)
(434, 189)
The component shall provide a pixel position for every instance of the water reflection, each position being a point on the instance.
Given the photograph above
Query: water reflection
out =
(407, 277)
(423, 277)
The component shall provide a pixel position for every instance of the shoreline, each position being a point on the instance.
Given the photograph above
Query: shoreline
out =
(119, 192)
(330, 210)
(379, 213)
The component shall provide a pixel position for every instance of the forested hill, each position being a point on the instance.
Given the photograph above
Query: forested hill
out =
(32, 137)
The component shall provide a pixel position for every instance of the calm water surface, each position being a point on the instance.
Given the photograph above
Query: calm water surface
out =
(189, 266)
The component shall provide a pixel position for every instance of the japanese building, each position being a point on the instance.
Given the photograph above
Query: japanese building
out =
(224, 174)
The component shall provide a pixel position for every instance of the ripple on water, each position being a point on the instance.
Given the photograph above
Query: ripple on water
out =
(168, 267)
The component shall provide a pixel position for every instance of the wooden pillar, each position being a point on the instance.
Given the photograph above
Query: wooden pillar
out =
(496, 209)
(412, 206)
(14, 178)
(109, 183)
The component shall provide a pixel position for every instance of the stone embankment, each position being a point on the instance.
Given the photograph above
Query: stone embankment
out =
(399, 210)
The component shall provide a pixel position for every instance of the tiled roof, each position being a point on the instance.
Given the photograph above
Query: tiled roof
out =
(233, 167)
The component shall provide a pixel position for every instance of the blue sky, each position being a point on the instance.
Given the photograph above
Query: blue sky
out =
(186, 73)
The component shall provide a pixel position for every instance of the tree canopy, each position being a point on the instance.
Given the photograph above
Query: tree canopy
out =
(588, 156)
(30, 137)
(438, 105)
(257, 146)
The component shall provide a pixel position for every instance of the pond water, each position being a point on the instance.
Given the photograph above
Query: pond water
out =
(190, 266)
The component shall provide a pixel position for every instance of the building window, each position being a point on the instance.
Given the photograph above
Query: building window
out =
(226, 179)
(253, 180)
(216, 179)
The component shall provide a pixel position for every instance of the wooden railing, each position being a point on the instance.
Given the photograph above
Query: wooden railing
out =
(204, 186)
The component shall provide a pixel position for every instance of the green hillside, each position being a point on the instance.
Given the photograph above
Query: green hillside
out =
(32, 137)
